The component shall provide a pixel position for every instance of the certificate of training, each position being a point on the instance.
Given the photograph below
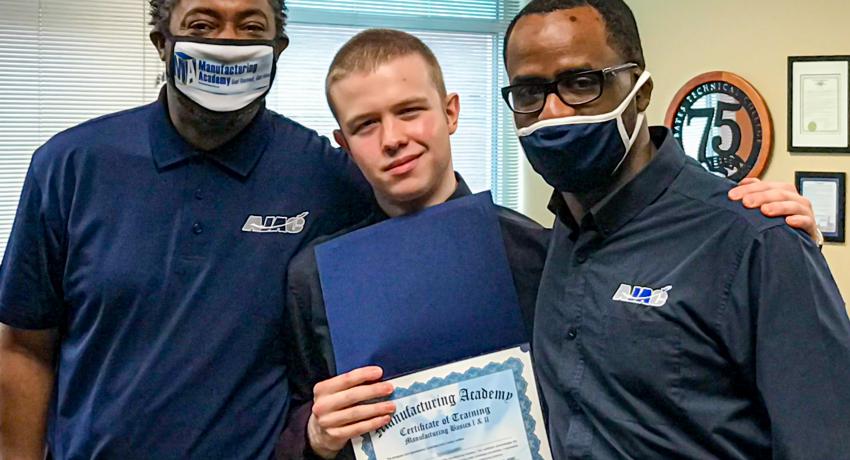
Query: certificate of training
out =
(480, 408)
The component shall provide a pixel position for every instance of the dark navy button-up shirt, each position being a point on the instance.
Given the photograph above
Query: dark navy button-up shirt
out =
(673, 323)
(161, 266)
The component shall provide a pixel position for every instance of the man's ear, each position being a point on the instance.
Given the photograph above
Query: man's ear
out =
(452, 111)
(644, 95)
(340, 139)
(280, 44)
(158, 40)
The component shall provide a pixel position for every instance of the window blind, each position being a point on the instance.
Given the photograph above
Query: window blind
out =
(62, 63)
(466, 36)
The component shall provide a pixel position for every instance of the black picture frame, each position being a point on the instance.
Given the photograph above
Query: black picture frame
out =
(790, 127)
(840, 178)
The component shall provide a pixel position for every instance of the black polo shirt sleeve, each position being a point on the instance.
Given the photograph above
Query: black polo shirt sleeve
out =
(801, 345)
(309, 357)
(302, 363)
(31, 273)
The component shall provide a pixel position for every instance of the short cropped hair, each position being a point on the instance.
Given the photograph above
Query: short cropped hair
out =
(372, 48)
(160, 14)
(623, 35)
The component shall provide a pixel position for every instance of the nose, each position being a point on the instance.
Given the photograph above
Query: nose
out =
(228, 31)
(554, 107)
(393, 137)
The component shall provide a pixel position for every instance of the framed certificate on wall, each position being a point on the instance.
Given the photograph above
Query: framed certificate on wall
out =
(826, 191)
(818, 106)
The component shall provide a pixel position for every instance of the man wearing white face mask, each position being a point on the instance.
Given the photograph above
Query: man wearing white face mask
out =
(148, 253)
(670, 322)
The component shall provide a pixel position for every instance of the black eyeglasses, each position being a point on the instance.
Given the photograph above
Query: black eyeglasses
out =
(573, 89)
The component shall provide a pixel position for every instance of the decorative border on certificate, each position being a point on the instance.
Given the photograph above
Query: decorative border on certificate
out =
(818, 108)
(498, 364)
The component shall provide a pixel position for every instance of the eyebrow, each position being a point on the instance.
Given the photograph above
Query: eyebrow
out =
(202, 10)
(212, 12)
(528, 80)
(411, 101)
(354, 122)
(253, 12)
(535, 80)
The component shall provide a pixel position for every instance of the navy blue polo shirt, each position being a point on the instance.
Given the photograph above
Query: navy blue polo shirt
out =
(161, 267)
(674, 323)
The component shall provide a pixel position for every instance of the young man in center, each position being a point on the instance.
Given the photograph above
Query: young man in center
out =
(386, 90)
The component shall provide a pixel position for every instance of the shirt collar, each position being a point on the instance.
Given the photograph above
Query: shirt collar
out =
(621, 206)
(239, 155)
(461, 191)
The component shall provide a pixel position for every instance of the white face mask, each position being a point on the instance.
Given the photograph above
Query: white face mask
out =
(222, 75)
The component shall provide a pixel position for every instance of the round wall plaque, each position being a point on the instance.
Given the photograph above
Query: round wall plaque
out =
(722, 122)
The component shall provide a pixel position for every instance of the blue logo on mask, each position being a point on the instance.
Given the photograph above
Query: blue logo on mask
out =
(185, 68)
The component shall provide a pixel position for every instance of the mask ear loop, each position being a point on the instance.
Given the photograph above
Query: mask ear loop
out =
(641, 117)
(629, 141)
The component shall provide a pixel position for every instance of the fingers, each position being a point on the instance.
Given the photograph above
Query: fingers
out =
(348, 380)
(754, 186)
(327, 442)
(785, 208)
(339, 413)
(793, 202)
(354, 415)
(797, 214)
(802, 222)
(325, 404)
(358, 429)
(777, 199)
(807, 224)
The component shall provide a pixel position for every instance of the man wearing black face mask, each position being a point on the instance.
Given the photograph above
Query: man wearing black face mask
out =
(148, 253)
(670, 322)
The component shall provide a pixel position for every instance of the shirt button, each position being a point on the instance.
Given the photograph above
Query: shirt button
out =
(581, 257)
(572, 333)
(197, 229)
(199, 195)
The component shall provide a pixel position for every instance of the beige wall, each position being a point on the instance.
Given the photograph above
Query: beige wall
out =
(753, 38)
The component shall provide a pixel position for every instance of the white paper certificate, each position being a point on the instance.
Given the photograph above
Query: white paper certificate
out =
(824, 197)
(481, 408)
(819, 104)
(821, 96)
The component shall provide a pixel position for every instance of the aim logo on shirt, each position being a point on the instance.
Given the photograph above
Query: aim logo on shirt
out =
(275, 224)
(642, 295)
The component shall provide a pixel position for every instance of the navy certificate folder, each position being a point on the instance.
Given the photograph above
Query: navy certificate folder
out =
(419, 291)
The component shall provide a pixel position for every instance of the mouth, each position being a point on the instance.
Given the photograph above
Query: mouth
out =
(403, 165)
